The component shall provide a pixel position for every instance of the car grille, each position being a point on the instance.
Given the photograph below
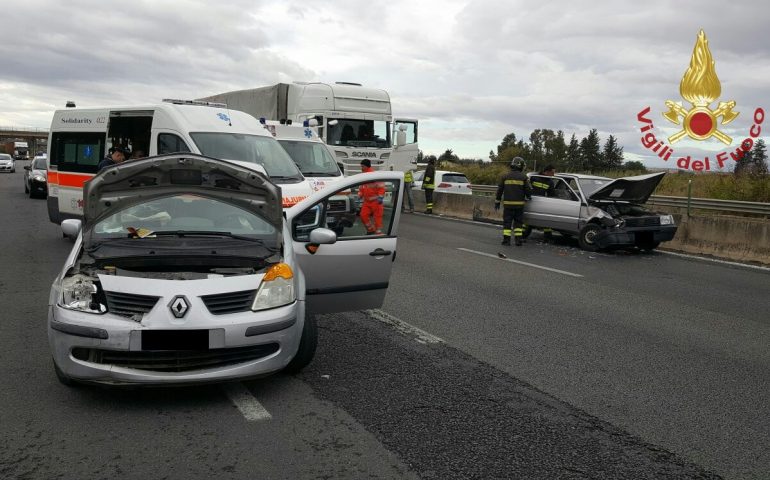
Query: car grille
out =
(642, 221)
(129, 304)
(230, 302)
(175, 361)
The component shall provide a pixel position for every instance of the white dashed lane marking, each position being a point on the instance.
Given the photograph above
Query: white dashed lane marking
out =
(421, 336)
(249, 406)
(527, 264)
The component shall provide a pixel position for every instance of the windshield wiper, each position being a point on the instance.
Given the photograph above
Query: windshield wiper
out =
(318, 174)
(284, 177)
(205, 233)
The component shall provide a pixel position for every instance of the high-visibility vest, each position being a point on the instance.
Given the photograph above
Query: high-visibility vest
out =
(408, 177)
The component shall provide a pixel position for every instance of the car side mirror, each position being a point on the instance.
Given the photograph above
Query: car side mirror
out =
(323, 236)
(71, 227)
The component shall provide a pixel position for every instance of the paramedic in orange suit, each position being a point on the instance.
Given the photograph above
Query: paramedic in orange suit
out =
(372, 195)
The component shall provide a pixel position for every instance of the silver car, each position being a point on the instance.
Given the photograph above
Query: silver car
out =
(185, 269)
(36, 178)
(7, 163)
(602, 212)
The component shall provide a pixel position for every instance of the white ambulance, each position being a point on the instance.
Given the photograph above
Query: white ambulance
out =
(81, 137)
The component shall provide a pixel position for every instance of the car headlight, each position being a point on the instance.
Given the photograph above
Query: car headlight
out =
(38, 178)
(277, 288)
(79, 292)
(666, 220)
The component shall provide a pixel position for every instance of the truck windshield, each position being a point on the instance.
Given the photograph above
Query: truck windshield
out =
(312, 158)
(264, 151)
(349, 132)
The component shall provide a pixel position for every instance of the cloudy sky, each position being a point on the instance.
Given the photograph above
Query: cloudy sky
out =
(470, 71)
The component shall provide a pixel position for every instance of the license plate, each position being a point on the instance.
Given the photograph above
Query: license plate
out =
(175, 340)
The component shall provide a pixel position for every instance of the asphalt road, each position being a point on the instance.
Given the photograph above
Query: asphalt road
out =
(600, 366)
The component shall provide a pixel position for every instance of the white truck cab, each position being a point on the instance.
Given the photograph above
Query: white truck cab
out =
(80, 138)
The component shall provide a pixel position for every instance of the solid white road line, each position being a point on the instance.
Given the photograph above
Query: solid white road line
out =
(497, 257)
(715, 260)
(251, 409)
(421, 336)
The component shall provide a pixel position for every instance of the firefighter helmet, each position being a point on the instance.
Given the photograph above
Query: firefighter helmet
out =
(518, 164)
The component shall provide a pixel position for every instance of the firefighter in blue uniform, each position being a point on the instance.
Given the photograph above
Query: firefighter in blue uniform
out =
(513, 190)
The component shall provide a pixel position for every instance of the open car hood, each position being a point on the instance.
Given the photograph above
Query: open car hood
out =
(137, 181)
(635, 189)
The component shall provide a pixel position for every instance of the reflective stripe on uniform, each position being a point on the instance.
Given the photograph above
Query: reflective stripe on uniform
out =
(544, 186)
(506, 232)
(429, 186)
(514, 182)
(513, 202)
(518, 232)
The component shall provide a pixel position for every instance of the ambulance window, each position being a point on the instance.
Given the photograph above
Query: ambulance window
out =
(170, 143)
(77, 151)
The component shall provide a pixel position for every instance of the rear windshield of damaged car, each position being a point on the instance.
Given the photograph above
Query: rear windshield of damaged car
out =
(257, 149)
(189, 213)
(454, 178)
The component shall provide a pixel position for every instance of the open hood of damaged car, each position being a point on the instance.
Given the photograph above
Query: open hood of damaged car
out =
(136, 181)
(635, 189)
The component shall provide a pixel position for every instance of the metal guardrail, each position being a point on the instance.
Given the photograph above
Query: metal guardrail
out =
(725, 206)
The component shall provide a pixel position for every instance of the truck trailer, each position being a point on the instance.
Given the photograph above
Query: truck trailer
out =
(356, 122)
(19, 150)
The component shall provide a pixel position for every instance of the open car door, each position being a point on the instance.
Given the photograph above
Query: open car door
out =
(349, 269)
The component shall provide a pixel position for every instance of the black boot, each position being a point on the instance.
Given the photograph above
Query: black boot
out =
(547, 236)
(518, 242)
(506, 241)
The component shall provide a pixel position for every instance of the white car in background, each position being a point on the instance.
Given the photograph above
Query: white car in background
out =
(446, 182)
(7, 163)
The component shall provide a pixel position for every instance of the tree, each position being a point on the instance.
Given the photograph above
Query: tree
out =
(573, 155)
(759, 158)
(420, 156)
(743, 165)
(612, 155)
(635, 165)
(447, 156)
(590, 153)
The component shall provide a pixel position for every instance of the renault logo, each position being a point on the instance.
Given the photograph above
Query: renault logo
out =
(179, 306)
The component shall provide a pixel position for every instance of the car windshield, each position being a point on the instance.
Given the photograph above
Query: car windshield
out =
(454, 178)
(5, 157)
(183, 213)
(38, 164)
(257, 149)
(348, 132)
(312, 158)
(590, 185)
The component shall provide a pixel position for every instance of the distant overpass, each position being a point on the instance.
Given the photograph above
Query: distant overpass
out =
(36, 138)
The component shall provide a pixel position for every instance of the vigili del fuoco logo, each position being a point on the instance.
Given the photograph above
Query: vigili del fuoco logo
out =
(700, 87)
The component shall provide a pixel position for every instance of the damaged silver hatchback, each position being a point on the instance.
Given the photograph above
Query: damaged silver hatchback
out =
(185, 269)
(601, 212)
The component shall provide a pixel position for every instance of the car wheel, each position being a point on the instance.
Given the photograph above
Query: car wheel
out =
(527, 231)
(587, 237)
(63, 379)
(648, 246)
(307, 346)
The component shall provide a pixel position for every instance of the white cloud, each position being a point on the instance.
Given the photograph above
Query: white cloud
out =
(471, 71)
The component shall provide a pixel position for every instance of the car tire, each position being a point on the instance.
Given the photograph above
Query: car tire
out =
(307, 346)
(587, 236)
(527, 231)
(64, 379)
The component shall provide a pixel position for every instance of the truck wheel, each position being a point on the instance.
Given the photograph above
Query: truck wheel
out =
(307, 346)
(587, 237)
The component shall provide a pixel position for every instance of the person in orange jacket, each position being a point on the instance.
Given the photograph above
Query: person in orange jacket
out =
(372, 196)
